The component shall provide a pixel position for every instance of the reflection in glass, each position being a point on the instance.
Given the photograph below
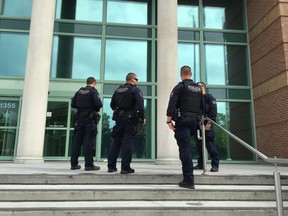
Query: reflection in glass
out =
(142, 141)
(57, 114)
(90, 10)
(222, 14)
(7, 142)
(224, 93)
(125, 11)
(225, 37)
(76, 58)
(8, 112)
(123, 56)
(13, 47)
(188, 15)
(54, 143)
(188, 54)
(17, 8)
(226, 65)
(236, 118)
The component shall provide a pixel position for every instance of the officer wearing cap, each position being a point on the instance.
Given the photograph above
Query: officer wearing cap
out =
(211, 112)
(128, 106)
(87, 102)
(185, 105)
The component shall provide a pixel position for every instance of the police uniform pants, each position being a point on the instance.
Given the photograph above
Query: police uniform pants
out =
(185, 128)
(84, 133)
(123, 134)
(210, 146)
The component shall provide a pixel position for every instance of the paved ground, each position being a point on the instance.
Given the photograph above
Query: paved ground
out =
(140, 168)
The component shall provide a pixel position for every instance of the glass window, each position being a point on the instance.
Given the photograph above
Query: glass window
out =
(225, 37)
(130, 12)
(188, 54)
(189, 35)
(78, 28)
(188, 13)
(13, 54)
(54, 143)
(142, 142)
(129, 32)
(90, 10)
(15, 24)
(57, 114)
(8, 112)
(76, 58)
(7, 142)
(236, 118)
(242, 94)
(118, 64)
(230, 66)
(17, 8)
(223, 14)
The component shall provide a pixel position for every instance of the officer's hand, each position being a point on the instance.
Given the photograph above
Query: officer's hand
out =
(208, 126)
(144, 121)
(171, 126)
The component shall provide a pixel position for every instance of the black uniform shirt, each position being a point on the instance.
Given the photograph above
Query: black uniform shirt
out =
(211, 109)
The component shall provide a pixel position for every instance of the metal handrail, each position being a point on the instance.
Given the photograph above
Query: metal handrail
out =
(275, 161)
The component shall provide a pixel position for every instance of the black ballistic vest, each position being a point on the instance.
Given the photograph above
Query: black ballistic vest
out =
(191, 97)
(84, 98)
(124, 98)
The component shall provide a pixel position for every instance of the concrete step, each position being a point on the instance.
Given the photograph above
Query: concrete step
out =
(141, 208)
(138, 192)
(105, 178)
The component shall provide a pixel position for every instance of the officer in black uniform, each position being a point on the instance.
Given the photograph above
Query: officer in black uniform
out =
(211, 112)
(187, 99)
(128, 106)
(87, 102)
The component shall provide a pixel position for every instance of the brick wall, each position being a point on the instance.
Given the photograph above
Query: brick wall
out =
(268, 36)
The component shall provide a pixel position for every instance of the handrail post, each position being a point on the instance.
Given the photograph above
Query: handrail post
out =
(203, 146)
(278, 191)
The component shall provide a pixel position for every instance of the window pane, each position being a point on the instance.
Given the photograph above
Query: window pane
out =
(240, 125)
(57, 114)
(230, 93)
(189, 35)
(90, 10)
(7, 142)
(76, 58)
(54, 143)
(129, 32)
(124, 11)
(117, 65)
(229, 68)
(188, 15)
(17, 8)
(77, 28)
(8, 112)
(223, 14)
(188, 54)
(13, 53)
(15, 24)
(225, 37)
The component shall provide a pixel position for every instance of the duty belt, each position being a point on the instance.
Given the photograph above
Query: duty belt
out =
(189, 114)
(125, 113)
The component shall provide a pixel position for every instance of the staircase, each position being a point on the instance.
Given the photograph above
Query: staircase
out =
(138, 195)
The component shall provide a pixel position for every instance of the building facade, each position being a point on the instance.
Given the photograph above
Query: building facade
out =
(48, 48)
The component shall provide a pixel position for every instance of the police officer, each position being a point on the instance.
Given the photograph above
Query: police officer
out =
(211, 112)
(87, 102)
(128, 106)
(187, 99)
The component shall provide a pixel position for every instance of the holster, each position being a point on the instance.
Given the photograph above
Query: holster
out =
(95, 116)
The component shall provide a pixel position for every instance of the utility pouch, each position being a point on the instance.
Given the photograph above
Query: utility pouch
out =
(176, 115)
